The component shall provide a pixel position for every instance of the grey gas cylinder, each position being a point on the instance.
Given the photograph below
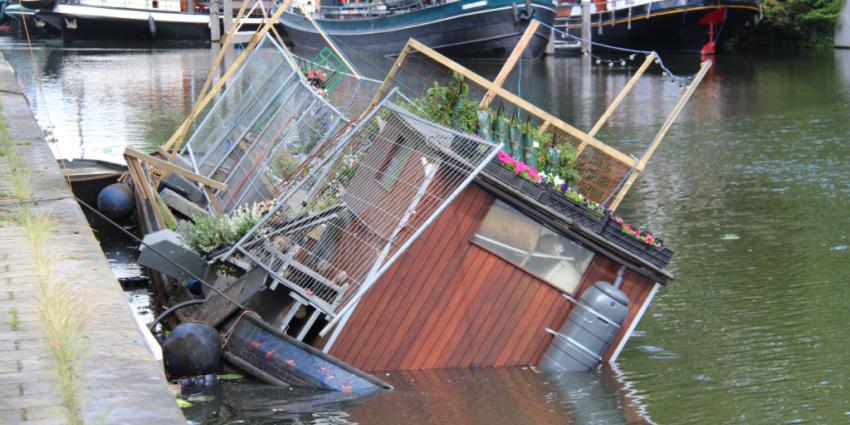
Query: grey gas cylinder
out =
(588, 331)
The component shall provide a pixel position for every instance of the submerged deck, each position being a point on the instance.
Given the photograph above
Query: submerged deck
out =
(120, 380)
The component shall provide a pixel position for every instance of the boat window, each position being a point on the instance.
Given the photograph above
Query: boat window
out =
(394, 163)
(533, 247)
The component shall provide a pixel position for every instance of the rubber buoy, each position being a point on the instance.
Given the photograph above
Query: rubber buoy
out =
(116, 201)
(191, 349)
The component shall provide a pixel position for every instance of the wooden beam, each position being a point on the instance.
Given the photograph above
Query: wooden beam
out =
(143, 184)
(213, 200)
(174, 143)
(385, 85)
(277, 35)
(171, 168)
(331, 44)
(622, 95)
(680, 105)
(583, 137)
(512, 60)
(135, 177)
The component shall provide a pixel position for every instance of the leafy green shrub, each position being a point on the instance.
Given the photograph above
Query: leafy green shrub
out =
(208, 232)
(796, 22)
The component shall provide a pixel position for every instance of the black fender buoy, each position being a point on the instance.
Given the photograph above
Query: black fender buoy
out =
(191, 349)
(116, 201)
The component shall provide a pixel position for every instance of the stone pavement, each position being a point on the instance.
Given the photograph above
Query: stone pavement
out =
(121, 382)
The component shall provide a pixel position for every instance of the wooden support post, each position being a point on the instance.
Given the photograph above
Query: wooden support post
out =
(174, 143)
(385, 85)
(215, 29)
(515, 56)
(522, 103)
(622, 95)
(331, 44)
(680, 105)
(227, 14)
(586, 46)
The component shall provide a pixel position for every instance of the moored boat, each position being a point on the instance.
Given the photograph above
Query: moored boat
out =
(136, 20)
(663, 26)
(480, 29)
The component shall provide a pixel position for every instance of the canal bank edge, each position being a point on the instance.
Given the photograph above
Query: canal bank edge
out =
(121, 382)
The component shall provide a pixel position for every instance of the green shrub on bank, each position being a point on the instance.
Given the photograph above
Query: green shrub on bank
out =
(797, 22)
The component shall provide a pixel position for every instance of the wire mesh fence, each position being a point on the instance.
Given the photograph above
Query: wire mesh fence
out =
(332, 236)
(349, 94)
(266, 128)
(450, 94)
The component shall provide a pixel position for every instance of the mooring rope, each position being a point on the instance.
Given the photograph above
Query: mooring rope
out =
(659, 61)
(160, 253)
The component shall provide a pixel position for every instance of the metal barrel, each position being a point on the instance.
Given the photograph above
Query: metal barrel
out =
(588, 331)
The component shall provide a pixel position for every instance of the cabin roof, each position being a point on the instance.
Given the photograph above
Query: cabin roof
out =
(544, 212)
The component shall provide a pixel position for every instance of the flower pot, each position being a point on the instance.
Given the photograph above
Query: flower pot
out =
(657, 256)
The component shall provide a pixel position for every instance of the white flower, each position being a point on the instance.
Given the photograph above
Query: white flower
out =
(558, 180)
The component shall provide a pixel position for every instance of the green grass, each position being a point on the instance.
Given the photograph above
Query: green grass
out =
(14, 322)
(20, 185)
(60, 312)
(14, 160)
(38, 227)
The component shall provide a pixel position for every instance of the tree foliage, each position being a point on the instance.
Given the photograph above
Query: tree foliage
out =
(802, 22)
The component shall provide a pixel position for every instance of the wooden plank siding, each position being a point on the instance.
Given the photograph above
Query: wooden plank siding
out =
(448, 303)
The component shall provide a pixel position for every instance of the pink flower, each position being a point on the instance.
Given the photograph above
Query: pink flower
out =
(504, 157)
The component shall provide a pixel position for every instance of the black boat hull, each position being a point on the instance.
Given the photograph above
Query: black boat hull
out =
(115, 24)
(126, 30)
(488, 34)
(667, 30)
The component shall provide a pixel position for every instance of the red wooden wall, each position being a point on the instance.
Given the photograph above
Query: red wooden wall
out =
(449, 303)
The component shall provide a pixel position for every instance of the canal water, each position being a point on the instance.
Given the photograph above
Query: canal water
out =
(751, 189)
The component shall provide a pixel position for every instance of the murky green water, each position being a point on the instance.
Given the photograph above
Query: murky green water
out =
(751, 188)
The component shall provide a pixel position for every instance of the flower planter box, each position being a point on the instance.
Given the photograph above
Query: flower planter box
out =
(575, 211)
(581, 215)
(528, 188)
(658, 256)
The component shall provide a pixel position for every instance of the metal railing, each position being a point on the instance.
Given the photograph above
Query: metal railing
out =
(158, 5)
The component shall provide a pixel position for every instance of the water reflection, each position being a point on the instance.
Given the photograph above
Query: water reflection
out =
(99, 100)
(456, 396)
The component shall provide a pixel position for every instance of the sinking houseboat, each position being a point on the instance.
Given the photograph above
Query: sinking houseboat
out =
(393, 225)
